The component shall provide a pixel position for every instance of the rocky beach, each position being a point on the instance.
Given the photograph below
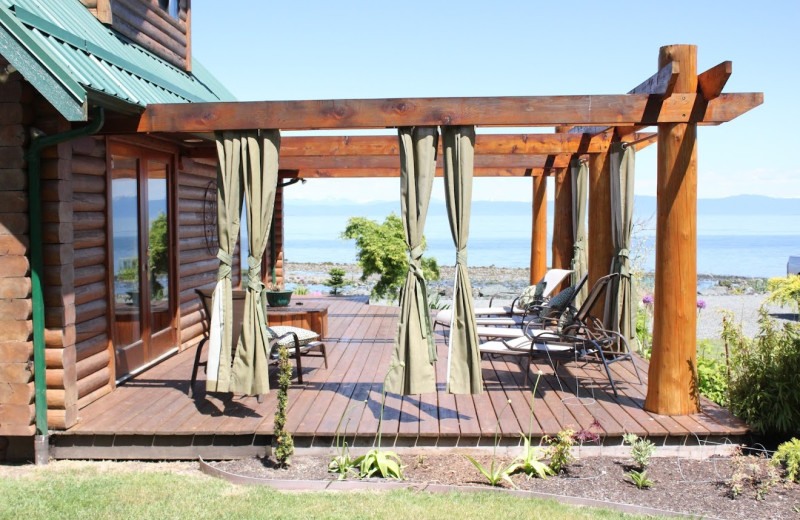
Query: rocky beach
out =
(742, 296)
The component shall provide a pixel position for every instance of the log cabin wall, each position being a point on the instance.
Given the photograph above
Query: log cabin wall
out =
(276, 242)
(147, 23)
(16, 345)
(198, 257)
(94, 350)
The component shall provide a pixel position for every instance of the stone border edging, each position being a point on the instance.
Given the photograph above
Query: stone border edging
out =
(363, 485)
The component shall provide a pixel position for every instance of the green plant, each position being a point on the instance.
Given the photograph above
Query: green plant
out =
(434, 301)
(641, 449)
(284, 445)
(785, 291)
(300, 290)
(342, 463)
(752, 472)
(712, 379)
(643, 334)
(530, 462)
(381, 250)
(789, 454)
(763, 389)
(496, 471)
(560, 450)
(383, 463)
(640, 479)
(336, 280)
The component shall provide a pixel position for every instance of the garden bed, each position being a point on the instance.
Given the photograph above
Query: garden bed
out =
(696, 487)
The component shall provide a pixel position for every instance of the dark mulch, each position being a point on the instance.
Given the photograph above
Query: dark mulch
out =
(697, 487)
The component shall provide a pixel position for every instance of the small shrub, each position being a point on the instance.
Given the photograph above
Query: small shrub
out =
(300, 290)
(641, 449)
(763, 386)
(343, 463)
(560, 450)
(640, 479)
(336, 280)
(284, 445)
(712, 379)
(789, 454)
(754, 473)
(785, 291)
(530, 462)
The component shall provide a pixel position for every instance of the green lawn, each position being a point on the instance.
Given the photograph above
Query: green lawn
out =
(91, 493)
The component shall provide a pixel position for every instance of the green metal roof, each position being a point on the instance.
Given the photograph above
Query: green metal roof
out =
(74, 60)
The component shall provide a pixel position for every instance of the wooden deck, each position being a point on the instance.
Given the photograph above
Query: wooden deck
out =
(150, 416)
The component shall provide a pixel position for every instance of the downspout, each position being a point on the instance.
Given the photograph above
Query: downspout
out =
(33, 157)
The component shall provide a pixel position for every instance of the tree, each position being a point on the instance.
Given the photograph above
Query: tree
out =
(336, 280)
(382, 251)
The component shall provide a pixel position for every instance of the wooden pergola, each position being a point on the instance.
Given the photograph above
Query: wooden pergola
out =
(674, 100)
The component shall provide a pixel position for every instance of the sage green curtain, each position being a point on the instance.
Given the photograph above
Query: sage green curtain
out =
(619, 298)
(412, 369)
(229, 208)
(464, 368)
(579, 172)
(260, 178)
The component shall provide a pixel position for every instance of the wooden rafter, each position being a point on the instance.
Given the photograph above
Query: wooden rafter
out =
(352, 173)
(626, 109)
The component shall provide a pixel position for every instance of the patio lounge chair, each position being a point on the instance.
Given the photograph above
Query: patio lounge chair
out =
(299, 341)
(514, 314)
(578, 337)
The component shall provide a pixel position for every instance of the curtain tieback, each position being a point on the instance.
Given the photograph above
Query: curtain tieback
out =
(461, 257)
(226, 261)
(415, 253)
(415, 270)
(254, 275)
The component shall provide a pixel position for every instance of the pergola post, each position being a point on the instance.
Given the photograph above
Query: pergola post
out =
(671, 389)
(601, 247)
(563, 241)
(539, 230)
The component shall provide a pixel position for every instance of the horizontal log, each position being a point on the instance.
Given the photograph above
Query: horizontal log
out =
(57, 233)
(86, 165)
(15, 330)
(93, 381)
(13, 202)
(56, 398)
(88, 183)
(139, 12)
(13, 245)
(13, 266)
(605, 110)
(193, 193)
(16, 372)
(200, 168)
(132, 31)
(91, 309)
(91, 346)
(93, 364)
(90, 328)
(189, 283)
(90, 256)
(59, 316)
(94, 396)
(88, 201)
(56, 190)
(197, 255)
(88, 146)
(58, 254)
(89, 274)
(13, 178)
(56, 169)
(59, 419)
(15, 287)
(191, 319)
(14, 114)
(90, 292)
(12, 135)
(209, 266)
(59, 338)
(187, 244)
(192, 231)
(500, 161)
(15, 415)
(192, 333)
(16, 393)
(59, 357)
(193, 219)
(191, 205)
(89, 220)
(14, 224)
(16, 351)
(197, 181)
(15, 309)
(189, 294)
(62, 274)
(88, 238)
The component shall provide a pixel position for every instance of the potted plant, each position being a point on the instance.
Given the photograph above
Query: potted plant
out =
(277, 295)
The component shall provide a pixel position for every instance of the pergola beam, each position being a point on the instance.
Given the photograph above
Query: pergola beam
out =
(390, 161)
(376, 173)
(711, 82)
(608, 110)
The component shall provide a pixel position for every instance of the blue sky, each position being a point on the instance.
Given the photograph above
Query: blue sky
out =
(265, 50)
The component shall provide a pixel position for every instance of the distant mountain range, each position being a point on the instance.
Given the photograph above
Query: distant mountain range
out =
(643, 205)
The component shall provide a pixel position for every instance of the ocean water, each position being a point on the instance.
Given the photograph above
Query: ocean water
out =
(752, 245)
